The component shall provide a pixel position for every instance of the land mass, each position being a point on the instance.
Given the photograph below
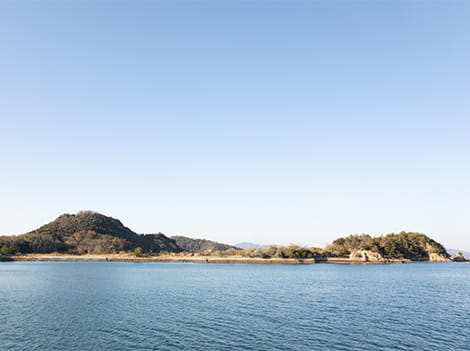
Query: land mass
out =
(88, 235)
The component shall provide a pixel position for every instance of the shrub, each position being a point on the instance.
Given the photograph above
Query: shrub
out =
(7, 251)
(138, 252)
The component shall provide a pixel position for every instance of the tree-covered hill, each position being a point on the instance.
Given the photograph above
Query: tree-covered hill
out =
(200, 245)
(413, 246)
(86, 232)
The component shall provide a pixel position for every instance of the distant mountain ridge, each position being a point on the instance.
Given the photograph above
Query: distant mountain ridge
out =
(247, 245)
(89, 232)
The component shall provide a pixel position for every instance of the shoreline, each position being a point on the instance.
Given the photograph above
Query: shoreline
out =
(192, 259)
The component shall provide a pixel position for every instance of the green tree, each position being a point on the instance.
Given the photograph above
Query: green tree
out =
(7, 251)
(138, 252)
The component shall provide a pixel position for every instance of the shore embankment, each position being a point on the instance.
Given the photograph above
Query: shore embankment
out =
(188, 259)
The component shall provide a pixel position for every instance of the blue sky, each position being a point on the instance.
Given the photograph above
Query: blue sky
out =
(265, 121)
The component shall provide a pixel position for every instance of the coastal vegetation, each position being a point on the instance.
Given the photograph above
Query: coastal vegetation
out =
(92, 233)
(291, 251)
(138, 252)
(7, 250)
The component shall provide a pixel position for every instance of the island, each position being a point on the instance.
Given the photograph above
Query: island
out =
(91, 236)
(459, 257)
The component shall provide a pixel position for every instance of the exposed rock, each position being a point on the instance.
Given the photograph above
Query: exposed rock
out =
(458, 257)
(366, 256)
(434, 257)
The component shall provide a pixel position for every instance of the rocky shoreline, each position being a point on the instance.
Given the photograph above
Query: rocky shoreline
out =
(213, 260)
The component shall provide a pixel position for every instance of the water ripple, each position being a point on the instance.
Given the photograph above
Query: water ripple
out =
(119, 306)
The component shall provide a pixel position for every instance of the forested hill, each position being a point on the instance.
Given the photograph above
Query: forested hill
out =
(87, 232)
(200, 245)
(413, 246)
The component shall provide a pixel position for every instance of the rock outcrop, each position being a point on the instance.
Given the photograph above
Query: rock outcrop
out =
(434, 257)
(366, 256)
(458, 257)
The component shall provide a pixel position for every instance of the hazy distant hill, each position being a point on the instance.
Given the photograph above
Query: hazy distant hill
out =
(246, 245)
(200, 245)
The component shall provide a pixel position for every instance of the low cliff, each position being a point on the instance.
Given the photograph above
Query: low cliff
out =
(458, 257)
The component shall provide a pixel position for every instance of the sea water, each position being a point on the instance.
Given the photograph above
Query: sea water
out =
(160, 306)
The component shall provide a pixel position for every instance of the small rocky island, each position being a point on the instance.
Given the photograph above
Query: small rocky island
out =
(90, 236)
(458, 257)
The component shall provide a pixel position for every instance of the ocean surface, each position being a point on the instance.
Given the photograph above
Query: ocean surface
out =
(159, 306)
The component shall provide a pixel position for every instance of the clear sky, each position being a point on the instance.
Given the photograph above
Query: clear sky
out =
(264, 121)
